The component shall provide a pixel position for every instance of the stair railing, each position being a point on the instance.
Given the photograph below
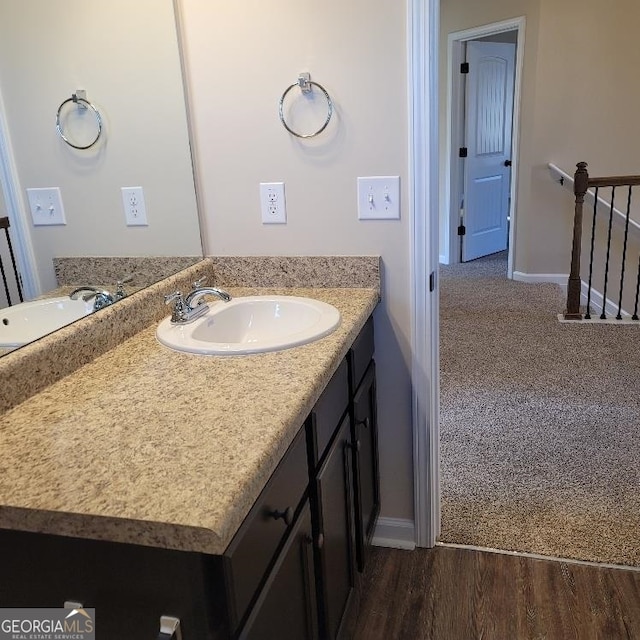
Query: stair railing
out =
(582, 184)
(4, 225)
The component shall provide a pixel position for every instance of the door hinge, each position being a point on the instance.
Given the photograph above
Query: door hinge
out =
(464, 67)
(462, 230)
(463, 152)
(432, 281)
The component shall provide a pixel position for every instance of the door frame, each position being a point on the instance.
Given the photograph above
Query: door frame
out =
(454, 176)
(16, 210)
(423, 38)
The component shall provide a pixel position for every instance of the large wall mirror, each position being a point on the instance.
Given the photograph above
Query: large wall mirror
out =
(126, 57)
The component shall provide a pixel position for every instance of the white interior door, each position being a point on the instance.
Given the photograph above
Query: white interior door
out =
(487, 170)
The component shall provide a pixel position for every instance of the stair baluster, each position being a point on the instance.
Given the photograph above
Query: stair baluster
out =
(624, 253)
(582, 184)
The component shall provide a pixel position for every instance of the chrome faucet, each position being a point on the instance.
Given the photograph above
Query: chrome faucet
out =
(195, 297)
(187, 309)
(120, 292)
(101, 298)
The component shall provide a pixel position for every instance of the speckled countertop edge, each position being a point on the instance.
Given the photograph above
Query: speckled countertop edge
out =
(149, 446)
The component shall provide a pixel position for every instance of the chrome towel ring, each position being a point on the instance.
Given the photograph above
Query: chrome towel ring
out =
(305, 83)
(82, 103)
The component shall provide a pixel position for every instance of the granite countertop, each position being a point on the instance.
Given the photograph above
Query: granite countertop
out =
(149, 446)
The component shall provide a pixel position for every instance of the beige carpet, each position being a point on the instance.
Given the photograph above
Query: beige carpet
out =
(540, 421)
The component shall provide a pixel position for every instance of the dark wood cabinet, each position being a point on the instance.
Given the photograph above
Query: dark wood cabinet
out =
(336, 554)
(129, 586)
(364, 435)
(255, 547)
(291, 570)
(287, 606)
(365, 465)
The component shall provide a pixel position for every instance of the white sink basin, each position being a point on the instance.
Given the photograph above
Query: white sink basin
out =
(253, 324)
(29, 321)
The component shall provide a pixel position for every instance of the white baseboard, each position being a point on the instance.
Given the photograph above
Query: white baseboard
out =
(395, 533)
(554, 278)
(443, 259)
(611, 308)
(561, 279)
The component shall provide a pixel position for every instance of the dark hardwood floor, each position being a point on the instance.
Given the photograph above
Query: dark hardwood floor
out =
(457, 594)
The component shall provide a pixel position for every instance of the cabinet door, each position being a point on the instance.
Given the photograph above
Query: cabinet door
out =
(336, 553)
(129, 586)
(286, 607)
(255, 546)
(367, 477)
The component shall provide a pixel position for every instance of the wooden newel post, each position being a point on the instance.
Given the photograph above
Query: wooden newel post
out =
(574, 287)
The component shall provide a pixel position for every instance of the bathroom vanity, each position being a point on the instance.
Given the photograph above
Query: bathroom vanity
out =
(238, 494)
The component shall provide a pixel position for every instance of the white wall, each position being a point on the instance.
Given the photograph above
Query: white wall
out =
(241, 57)
(125, 55)
(586, 106)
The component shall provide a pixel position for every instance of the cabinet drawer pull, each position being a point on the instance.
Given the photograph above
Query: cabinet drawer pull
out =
(366, 423)
(355, 446)
(286, 515)
(320, 542)
(169, 628)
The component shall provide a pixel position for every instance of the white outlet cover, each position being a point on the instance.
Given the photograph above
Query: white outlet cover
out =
(379, 198)
(135, 211)
(46, 206)
(273, 205)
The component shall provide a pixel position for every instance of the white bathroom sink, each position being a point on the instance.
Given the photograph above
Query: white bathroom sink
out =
(28, 321)
(252, 324)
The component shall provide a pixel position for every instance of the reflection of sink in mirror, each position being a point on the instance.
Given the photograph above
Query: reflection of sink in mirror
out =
(252, 324)
(148, 57)
(29, 321)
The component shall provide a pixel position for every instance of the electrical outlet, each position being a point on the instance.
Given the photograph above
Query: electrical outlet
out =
(46, 206)
(272, 203)
(135, 211)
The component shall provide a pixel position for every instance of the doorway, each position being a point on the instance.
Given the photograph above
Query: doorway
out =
(12, 205)
(483, 90)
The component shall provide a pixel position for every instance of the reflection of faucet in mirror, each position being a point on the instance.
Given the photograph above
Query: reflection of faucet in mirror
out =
(102, 298)
(120, 292)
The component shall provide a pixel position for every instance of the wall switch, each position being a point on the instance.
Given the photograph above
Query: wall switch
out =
(379, 198)
(46, 206)
(134, 210)
(272, 203)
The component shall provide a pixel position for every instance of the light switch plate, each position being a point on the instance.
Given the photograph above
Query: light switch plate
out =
(46, 206)
(379, 198)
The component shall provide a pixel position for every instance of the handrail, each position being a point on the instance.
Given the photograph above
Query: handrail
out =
(581, 183)
(615, 181)
(566, 180)
(4, 225)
